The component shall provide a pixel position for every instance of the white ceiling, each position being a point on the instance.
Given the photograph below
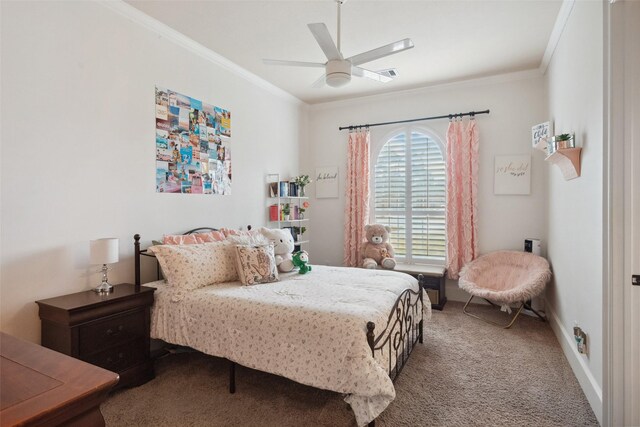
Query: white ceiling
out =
(454, 40)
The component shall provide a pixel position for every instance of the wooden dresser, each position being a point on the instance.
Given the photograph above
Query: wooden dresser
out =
(106, 330)
(41, 387)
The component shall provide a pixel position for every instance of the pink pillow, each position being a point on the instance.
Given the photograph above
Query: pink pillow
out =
(211, 236)
(192, 239)
(179, 239)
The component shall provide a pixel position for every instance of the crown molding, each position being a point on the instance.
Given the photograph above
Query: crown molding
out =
(556, 33)
(140, 18)
(480, 81)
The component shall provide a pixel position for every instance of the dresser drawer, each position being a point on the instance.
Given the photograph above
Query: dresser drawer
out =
(102, 334)
(119, 358)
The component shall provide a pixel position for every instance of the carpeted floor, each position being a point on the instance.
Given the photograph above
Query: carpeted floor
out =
(467, 373)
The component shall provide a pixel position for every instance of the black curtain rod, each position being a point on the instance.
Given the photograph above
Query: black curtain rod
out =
(447, 116)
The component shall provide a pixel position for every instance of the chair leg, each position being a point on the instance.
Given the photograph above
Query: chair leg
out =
(527, 305)
(507, 326)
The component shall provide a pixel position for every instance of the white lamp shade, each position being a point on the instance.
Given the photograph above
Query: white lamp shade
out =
(103, 251)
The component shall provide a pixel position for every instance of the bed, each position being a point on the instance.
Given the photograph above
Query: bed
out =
(341, 329)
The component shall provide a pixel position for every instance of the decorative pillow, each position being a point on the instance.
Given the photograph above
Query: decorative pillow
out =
(189, 267)
(193, 239)
(256, 264)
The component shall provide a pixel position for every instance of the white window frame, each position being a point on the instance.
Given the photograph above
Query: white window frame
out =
(376, 147)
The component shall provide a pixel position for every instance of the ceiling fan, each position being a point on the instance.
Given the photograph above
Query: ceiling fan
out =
(338, 70)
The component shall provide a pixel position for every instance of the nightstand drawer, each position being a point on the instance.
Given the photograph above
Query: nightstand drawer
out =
(102, 334)
(119, 358)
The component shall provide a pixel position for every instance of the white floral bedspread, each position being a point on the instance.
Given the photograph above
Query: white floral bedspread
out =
(310, 328)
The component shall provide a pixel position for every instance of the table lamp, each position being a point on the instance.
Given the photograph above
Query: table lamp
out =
(104, 251)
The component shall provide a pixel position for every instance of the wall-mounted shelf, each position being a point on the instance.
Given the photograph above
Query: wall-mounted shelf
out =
(568, 160)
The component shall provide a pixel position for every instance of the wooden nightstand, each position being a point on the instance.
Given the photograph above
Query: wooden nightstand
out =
(110, 331)
(433, 281)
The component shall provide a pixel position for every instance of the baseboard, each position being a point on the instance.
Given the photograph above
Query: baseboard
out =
(589, 385)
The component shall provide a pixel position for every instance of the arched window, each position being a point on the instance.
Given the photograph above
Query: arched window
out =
(409, 196)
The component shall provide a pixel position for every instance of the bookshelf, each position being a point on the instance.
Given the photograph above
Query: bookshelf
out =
(283, 196)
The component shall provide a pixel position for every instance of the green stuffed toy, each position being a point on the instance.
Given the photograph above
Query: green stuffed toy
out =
(300, 259)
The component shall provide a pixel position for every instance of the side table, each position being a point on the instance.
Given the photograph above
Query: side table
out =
(107, 330)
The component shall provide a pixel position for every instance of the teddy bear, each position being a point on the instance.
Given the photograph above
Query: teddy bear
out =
(282, 247)
(377, 250)
(301, 260)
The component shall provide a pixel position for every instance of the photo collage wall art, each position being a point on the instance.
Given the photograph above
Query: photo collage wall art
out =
(193, 142)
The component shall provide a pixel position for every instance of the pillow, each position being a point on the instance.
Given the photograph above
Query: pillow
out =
(256, 239)
(231, 232)
(179, 239)
(193, 239)
(190, 267)
(256, 264)
(211, 236)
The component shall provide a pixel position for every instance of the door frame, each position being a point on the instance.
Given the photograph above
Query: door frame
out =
(620, 386)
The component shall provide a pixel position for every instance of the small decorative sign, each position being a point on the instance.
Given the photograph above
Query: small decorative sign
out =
(327, 182)
(512, 175)
(540, 134)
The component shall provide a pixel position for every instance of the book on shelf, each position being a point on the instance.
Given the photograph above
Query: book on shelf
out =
(284, 189)
(273, 189)
(273, 212)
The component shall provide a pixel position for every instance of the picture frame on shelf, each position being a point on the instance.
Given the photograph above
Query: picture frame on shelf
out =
(540, 134)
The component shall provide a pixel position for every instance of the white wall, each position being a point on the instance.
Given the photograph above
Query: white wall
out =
(78, 147)
(575, 208)
(517, 101)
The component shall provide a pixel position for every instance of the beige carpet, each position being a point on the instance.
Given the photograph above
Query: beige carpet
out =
(466, 373)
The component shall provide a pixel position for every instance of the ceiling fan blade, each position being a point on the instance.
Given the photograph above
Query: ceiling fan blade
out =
(321, 33)
(381, 52)
(320, 82)
(292, 63)
(363, 72)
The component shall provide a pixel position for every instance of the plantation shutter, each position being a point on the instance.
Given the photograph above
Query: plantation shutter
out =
(409, 191)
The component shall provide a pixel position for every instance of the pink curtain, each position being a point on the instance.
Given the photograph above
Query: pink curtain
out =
(357, 194)
(462, 195)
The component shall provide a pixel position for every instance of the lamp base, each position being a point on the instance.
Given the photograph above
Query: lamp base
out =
(104, 288)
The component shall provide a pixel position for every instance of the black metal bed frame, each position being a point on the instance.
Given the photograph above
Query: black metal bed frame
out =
(404, 328)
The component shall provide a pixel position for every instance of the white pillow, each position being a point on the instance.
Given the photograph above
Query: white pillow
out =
(190, 267)
(256, 239)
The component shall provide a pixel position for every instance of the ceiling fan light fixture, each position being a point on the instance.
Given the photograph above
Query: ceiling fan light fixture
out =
(338, 79)
(338, 73)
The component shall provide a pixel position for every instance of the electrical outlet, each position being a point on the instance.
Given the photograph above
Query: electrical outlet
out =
(581, 339)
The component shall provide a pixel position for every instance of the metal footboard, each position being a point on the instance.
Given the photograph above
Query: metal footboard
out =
(403, 330)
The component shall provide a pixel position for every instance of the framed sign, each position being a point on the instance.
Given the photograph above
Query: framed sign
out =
(512, 175)
(327, 182)
(539, 135)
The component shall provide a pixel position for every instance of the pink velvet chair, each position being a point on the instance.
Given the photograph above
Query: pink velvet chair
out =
(504, 278)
